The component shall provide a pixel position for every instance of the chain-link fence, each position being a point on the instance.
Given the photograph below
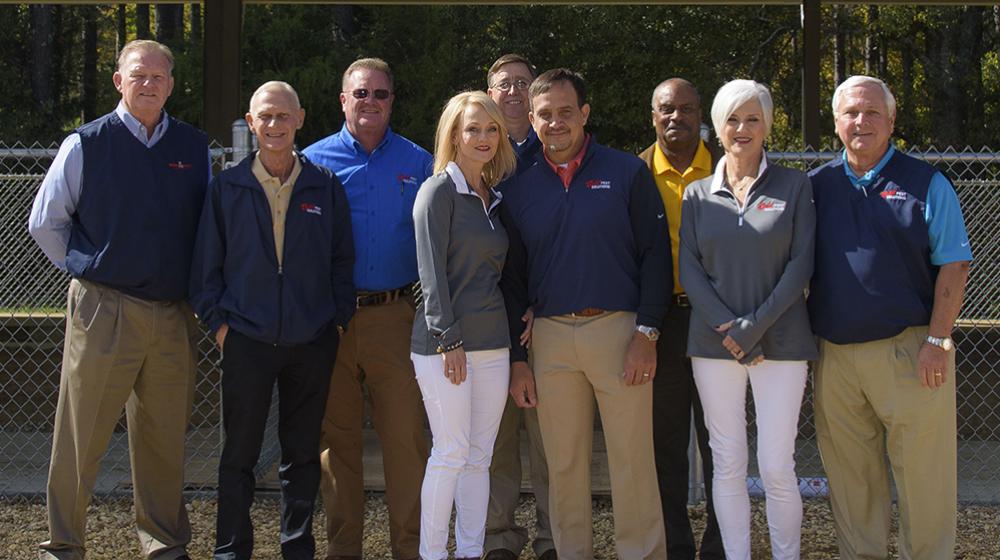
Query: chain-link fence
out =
(33, 292)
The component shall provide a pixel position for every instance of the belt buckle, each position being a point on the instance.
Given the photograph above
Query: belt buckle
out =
(586, 313)
(681, 300)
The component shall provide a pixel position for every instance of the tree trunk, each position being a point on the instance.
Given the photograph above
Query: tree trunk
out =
(343, 19)
(88, 80)
(120, 37)
(42, 55)
(873, 39)
(196, 22)
(166, 23)
(954, 77)
(142, 21)
(839, 46)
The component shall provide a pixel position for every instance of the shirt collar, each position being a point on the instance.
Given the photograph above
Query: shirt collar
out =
(575, 162)
(661, 163)
(351, 141)
(138, 129)
(872, 174)
(719, 178)
(462, 186)
(262, 174)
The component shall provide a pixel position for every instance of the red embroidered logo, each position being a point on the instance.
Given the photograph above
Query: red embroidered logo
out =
(893, 195)
(598, 184)
(407, 179)
(771, 205)
(311, 209)
(179, 165)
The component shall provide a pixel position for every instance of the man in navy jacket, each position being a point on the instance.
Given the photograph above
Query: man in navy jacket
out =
(589, 252)
(272, 279)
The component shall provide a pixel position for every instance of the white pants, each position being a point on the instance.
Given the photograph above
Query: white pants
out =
(464, 420)
(777, 394)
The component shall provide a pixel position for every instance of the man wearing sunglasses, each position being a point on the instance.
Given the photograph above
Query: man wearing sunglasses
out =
(381, 172)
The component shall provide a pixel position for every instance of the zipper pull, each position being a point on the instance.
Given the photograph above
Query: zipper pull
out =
(741, 219)
(280, 270)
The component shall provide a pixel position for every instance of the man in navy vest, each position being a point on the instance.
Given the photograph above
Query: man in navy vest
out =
(381, 172)
(507, 81)
(589, 251)
(118, 210)
(892, 258)
(272, 279)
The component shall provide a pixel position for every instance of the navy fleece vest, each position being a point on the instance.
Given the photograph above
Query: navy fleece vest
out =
(139, 208)
(873, 275)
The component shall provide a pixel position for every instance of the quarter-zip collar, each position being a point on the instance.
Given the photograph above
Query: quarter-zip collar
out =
(719, 178)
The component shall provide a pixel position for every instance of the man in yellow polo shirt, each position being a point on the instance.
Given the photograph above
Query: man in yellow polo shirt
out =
(678, 158)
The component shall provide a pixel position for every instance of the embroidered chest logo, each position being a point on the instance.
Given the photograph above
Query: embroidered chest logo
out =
(179, 165)
(311, 209)
(405, 179)
(893, 194)
(771, 205)
(595, 184)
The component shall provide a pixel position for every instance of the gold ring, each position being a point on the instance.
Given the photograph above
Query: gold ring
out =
(937, 374)
(645, 375)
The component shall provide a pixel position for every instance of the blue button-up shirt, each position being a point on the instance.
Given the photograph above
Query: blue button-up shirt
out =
(381, 188)
(55, 203)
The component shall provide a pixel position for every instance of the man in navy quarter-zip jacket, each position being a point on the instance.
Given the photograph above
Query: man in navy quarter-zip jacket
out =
(589, 251)
(272, 279)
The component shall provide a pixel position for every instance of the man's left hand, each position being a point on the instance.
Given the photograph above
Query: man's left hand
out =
(932, 365)
(640, 360)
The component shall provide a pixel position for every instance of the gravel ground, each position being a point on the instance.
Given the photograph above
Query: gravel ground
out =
(110, 534)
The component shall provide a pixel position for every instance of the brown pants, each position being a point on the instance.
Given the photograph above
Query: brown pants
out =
(375, 352)
(502, 531)
(869, 402)
(122, 351)
(576, 359)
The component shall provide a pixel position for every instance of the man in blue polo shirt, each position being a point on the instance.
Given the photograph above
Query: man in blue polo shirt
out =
(589, 251)
(892, 259)
(381, 172)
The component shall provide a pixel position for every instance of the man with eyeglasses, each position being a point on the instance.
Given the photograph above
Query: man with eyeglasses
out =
(381, 172)
(507, 82)
(678, 158)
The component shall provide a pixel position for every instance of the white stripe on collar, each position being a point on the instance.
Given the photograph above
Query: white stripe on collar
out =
(718, 179)
(462, 186)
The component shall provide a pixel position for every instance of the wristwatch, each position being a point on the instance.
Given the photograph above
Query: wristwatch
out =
(945, 343)
(652, 333)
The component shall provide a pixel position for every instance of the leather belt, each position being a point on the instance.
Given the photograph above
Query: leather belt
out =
(588, 312)
(368, 299)
(681, 300)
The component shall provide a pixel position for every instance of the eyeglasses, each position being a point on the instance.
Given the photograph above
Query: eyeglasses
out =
(519, 85)
(363, 93)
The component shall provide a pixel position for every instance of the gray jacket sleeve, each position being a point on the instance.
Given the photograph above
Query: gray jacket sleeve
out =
(748, 329)
(432, 213)
(693, 276)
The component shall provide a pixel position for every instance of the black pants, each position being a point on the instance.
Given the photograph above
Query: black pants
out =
(249, 371)
(674, 395)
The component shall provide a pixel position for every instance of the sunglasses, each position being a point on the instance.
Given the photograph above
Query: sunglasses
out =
(363, 93)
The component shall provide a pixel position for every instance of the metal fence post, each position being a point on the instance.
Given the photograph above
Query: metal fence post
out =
(242, 141)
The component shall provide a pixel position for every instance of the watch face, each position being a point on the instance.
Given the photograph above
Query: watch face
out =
(947, 344)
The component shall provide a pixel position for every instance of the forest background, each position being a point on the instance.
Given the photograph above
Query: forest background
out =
(943, 63)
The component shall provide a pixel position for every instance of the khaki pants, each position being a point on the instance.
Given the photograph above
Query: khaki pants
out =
(122, 351)
(575, 360)
(869, 401)
(502, 531)
(375, 352)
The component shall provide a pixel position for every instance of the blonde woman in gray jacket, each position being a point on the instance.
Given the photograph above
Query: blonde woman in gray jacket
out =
(460, 343)
(746, 256)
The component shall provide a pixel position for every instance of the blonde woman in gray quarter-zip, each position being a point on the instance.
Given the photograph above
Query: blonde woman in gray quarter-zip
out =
(460, 344)
(746, 256)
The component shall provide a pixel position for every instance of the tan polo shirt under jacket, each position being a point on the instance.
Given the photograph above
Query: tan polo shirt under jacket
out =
(278, 195)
